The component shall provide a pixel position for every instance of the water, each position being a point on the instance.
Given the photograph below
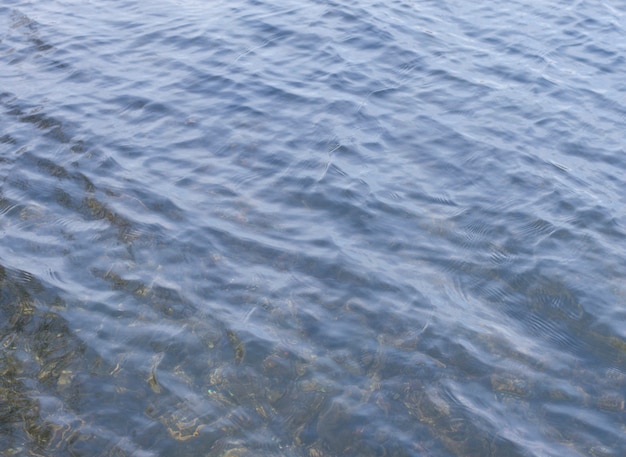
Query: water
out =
(237, 228)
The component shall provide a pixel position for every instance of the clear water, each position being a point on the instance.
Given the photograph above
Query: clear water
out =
(243, 228)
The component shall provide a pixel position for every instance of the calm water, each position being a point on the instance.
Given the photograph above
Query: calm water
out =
(310, 229)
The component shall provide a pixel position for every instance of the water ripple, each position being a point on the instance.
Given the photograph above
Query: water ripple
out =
(312, 230)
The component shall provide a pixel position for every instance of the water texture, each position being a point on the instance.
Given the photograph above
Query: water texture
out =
(311, 229)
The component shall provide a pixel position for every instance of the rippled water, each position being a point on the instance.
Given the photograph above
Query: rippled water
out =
(243, 228)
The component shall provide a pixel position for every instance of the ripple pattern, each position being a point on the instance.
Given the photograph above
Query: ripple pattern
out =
(320, 229)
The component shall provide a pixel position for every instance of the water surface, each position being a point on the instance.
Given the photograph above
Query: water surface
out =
(312, 229)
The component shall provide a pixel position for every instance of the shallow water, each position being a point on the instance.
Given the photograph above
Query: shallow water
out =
(312, 229)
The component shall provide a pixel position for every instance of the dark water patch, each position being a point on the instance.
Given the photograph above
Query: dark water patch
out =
(41, 359)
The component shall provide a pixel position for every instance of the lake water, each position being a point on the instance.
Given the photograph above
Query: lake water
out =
(246, 228)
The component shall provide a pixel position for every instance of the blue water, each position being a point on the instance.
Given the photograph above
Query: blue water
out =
(311, 229)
